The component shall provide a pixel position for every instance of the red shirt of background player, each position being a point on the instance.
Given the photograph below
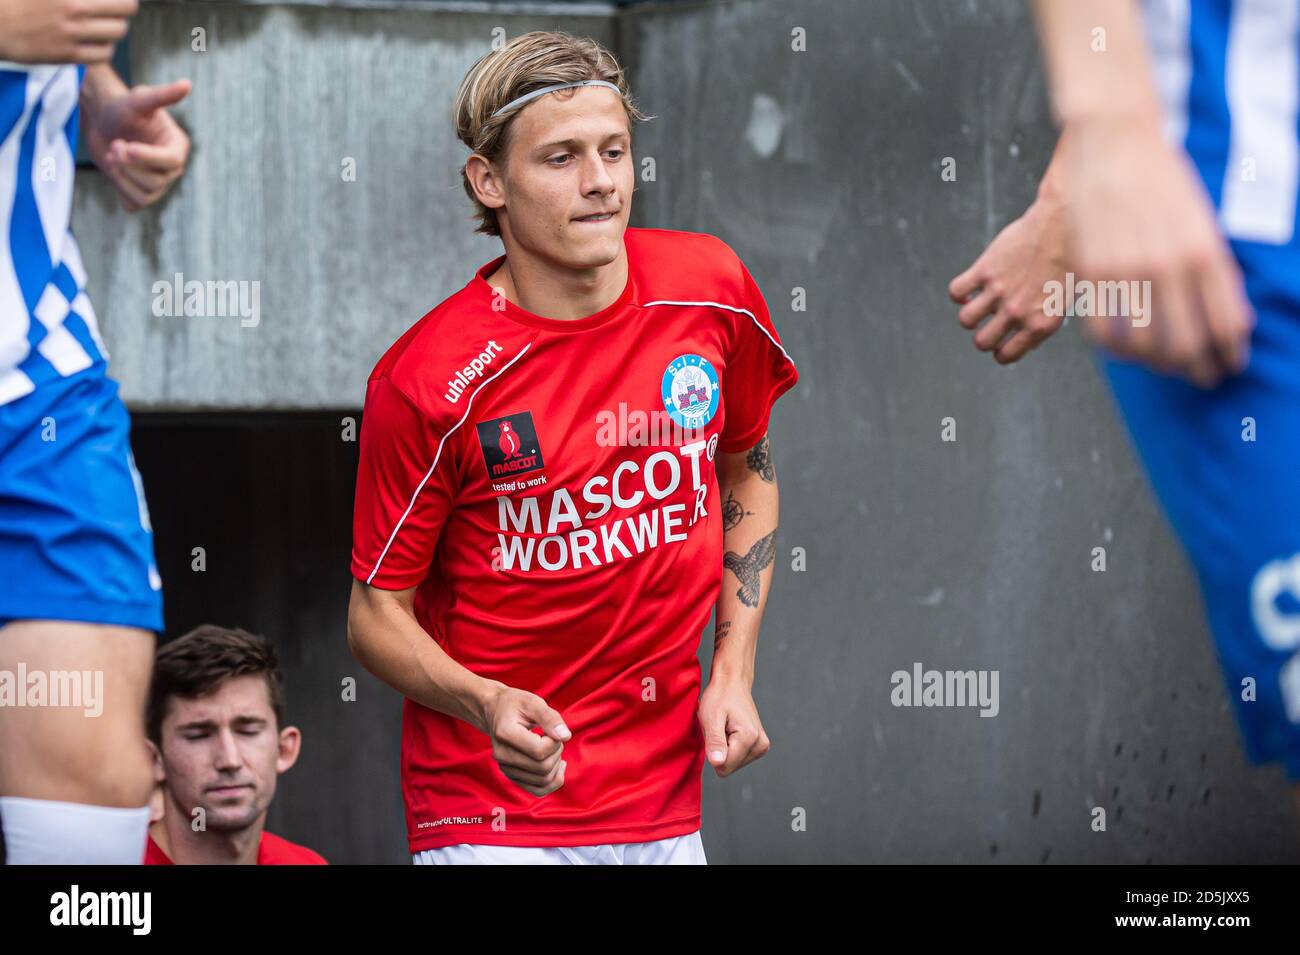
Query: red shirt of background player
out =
(272, 850)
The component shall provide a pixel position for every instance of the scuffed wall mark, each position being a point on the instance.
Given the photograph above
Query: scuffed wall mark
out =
(766, 121)
(906, 74)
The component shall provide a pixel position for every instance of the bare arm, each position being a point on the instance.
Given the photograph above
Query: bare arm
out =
(728, 715)
(1094, 73)
(387, 640)
(101, 85)
(1137, 212)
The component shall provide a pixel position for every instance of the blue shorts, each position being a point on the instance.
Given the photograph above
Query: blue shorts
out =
(75, 540)
(1235, 503)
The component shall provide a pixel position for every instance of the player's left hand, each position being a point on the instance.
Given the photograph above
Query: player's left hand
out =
(733, 733)
(138, 144)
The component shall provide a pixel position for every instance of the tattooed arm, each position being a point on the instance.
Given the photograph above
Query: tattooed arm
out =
(733, 733)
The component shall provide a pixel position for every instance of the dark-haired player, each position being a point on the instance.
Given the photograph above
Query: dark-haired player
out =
(217, 723)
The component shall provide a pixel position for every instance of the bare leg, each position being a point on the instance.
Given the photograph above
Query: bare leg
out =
(64, 754)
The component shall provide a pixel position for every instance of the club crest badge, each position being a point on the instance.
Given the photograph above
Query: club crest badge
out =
(690, 390)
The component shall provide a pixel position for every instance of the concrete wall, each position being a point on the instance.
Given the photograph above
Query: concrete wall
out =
(822, 169)
(283, 96)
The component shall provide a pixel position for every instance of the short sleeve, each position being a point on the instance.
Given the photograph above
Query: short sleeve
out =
(758, 372)
(405, 490)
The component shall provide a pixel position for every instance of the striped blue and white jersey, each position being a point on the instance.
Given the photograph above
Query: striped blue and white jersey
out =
(1228, 78)
(47, 326)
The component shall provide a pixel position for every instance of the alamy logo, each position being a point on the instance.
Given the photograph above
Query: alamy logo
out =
(212, 299)
(82, 689)
(946, 688)
(1085, 298)
(75, 907)
(457, 386)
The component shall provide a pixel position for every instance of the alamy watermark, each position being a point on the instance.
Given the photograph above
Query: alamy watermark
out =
(56, 688)
(638, 429)
(921, 687)
(129, 909)
(1085, 298)
(211, 299)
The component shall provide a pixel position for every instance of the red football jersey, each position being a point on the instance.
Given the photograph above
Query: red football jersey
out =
(272, 850)
(548, 486)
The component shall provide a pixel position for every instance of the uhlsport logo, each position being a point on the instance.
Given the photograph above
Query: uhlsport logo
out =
(510, 445)
(477, 365)
(690, 390)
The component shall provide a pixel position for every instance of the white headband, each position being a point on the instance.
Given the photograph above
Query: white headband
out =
(549, 89)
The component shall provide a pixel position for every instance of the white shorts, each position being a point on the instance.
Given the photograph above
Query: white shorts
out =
(675, 850)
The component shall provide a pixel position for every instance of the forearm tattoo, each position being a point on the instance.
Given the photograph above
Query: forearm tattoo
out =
(749, 567)
(720, 633)
(733, 512)
(759, 459)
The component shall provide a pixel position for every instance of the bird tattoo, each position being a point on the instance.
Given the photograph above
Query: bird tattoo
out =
(748, 568)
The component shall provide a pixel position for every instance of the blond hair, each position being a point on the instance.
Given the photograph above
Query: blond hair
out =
(527, 63)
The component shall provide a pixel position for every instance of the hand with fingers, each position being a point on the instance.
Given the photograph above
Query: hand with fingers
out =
(1138, 213)
(528, 758)
(137, 143)
(62, 31)
(1008, 284)
(733, 733)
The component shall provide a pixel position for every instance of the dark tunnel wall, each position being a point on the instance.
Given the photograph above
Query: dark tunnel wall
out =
(269, 499)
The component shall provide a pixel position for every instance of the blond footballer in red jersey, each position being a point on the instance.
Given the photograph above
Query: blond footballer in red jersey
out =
(565, 468)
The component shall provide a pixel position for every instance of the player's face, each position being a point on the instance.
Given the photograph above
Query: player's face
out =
(569, 158)
(222, 753)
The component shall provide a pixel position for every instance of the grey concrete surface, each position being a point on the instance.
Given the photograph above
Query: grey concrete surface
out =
(823, 170)
(282, 98)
